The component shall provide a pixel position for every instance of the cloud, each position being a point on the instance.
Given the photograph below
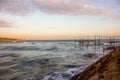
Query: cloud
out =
(6, 24)
(114, 16)
(69, 7)
(16, 6)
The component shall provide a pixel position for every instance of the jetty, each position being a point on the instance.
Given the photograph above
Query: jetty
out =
(107, 42)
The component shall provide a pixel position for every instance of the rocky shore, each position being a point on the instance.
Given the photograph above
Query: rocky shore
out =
(107, 68)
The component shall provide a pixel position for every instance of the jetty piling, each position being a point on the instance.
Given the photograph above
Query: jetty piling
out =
(97, 41)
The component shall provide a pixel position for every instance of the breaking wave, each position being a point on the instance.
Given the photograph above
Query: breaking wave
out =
(64, 75)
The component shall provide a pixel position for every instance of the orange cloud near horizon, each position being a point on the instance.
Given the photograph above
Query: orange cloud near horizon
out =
(52, 36)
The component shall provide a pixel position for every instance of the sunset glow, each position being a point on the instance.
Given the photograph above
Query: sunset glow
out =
(58, 19)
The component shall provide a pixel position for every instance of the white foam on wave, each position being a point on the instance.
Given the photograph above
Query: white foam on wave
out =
(64, 75)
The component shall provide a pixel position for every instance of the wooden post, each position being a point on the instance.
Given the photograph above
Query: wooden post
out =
(99, 42)
(95, 43)
(87, 41)
(75, 43)
(80, 43)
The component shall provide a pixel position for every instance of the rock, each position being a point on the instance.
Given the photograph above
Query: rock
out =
(89, 55)
(71, 66)
(107, 68)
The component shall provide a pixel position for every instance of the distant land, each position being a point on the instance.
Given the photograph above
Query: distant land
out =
(8, 39)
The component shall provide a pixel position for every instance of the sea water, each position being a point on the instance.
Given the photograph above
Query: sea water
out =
(45, 59)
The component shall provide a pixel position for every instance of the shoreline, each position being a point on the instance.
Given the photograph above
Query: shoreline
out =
(106, 68)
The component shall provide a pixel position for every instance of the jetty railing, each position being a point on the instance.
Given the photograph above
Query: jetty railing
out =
(107, 42)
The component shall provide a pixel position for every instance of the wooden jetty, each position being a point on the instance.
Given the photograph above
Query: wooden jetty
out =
(112, 41)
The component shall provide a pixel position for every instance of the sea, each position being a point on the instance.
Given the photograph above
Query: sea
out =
(46, 59)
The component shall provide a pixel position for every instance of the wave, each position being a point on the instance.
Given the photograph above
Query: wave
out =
(51, 49)
(22, 48)
(64, 75)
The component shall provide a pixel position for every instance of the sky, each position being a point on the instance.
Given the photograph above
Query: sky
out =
(58, 19)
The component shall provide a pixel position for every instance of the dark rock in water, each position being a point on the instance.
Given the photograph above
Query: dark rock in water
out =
(89, 55)
(71, 66)
(107, 68)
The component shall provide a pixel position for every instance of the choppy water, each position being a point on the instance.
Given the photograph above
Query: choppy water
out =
(44, 60)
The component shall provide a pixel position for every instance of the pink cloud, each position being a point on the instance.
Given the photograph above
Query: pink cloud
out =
(69, 7)
(15, 6)
(6, 23)
(114, 16)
